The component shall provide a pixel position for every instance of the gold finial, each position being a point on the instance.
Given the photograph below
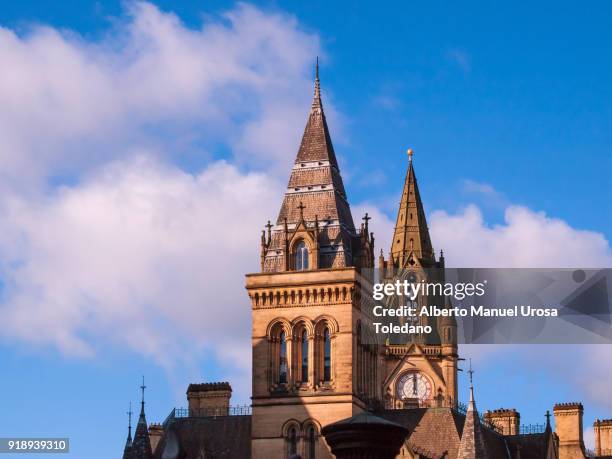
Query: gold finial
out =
(410, 153)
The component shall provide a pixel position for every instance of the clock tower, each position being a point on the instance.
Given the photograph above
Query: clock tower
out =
(420, 371)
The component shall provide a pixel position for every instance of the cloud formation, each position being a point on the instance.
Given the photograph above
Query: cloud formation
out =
(69, 105)
(141, 256)
(105, 240)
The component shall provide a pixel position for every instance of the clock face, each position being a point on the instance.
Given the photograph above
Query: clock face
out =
(414, 384)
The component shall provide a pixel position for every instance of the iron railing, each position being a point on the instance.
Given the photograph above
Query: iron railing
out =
(238, 410)
(531, 429)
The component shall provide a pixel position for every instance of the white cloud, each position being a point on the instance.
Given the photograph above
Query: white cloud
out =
(140, 255)
(525, 239)
(136, 252)
(68, 104)
(529, 239)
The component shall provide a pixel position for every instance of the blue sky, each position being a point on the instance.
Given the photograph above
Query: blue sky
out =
(506, 106)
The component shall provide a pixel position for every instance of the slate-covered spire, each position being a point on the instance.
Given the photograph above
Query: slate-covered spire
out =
(141, 446)
(472, 444)
(411, 234)
(315, 190)
(128, 442)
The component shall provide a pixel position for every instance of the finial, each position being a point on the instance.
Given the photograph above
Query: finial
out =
(269, 227)
(366, 219)
(410, 153)
(129, 413)
(143, 387)
(301, 207)
(547, 418)
(471, 373)
(316, 102)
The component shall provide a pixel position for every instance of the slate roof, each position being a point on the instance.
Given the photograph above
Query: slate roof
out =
(221, 437)
(436, 432)
(141, 445)
(316, 184)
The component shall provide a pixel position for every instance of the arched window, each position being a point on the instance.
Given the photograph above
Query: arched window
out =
(301, 256)
(291, 442)
(311, 443)
(326, 356)
(282, 358)
(304, 356)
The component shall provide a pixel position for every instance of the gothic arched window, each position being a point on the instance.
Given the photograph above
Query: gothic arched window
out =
(291, 442)
(301, 256)
(304, 356)
(282, 358)
(311, 443)
(326, 356)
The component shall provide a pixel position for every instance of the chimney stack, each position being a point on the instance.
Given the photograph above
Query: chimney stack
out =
(508, 419)
(603, 437)
(568, 426)
(209, 399)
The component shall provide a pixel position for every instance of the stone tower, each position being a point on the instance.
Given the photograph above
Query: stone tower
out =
(420, 371)
(309, 367)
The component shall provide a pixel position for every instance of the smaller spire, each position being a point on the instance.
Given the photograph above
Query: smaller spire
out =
(547, 419)
(128, 442)
(141, 445)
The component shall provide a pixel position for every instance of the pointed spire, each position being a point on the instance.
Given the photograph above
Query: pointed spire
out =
(141, 446)
(411, 234)
(316, 183)
(472, 444)
(128, 442)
